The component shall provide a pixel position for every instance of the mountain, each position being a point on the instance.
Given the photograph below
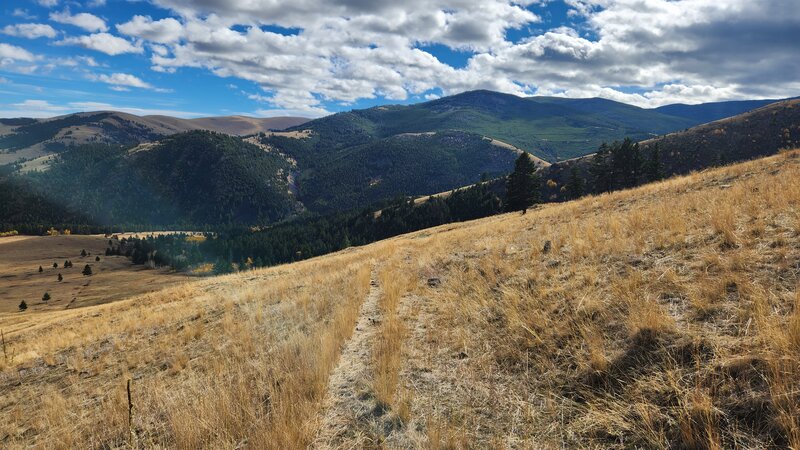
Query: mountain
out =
(28, 139)
(404, 164)
(236, 125)
(549, 128)
(202, 179)
(192, 178)
(761, 132)
(710, 112)
(344, 161)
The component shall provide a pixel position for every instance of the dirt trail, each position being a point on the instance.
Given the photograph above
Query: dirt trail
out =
(348, 407)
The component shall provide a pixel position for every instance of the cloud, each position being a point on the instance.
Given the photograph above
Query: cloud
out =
(311, 113)
(22, 14)
(86, 21)
(103, 42)
(123, 79)
(645, 52)
(120, 82)
(47, 3)
(15, 53)
(35, 108)
(30, 30)
(44, 109)
(4, 80)
(344, 51)
(161, 31)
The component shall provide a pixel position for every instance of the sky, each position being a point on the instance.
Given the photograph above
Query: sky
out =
(193, 58)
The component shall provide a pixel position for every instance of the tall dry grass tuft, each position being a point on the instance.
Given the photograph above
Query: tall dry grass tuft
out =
(723, 222)
(394, 282)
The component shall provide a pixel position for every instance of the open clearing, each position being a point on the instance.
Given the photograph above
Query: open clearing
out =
(113, 277)
(667, 316)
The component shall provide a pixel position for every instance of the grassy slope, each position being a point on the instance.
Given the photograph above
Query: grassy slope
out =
(754, 134)
(664, 316)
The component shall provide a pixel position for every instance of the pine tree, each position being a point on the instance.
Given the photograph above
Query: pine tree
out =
(522, 187)
(601, 170)
(87, 270)
(626, 162)
(60, 278)
(575, 185)
(83, 253)
(46, 297)
(41, 269)
(23, 306)
(55, 265)
(97, 258)
(652, 167)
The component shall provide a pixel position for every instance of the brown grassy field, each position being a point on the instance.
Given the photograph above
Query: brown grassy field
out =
(667, 316)
(113, 278)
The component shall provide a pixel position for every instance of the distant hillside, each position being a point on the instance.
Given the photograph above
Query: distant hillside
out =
(205, 179)
(405, 164)
(709, 112)
(238, 125)
(28, 139)
(757, 133)
(549, 128)
(194, 178)
(345, 161)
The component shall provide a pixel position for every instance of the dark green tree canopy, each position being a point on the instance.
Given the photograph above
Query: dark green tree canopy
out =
(523, 185)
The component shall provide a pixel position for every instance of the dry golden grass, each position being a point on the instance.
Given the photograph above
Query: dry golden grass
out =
(667, 316)
(394, 282)
(114, 277)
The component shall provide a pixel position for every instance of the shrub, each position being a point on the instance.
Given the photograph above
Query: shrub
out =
(23, 306)
(46, 297)
(87, 270)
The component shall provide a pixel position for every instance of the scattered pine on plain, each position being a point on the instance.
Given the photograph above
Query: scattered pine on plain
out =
(666, 316)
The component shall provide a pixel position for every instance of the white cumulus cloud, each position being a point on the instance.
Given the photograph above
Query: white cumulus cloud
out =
(103, 42)
(88, 22)
(162, 31)
(12, 52)
(123, 79)
(30, 30)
